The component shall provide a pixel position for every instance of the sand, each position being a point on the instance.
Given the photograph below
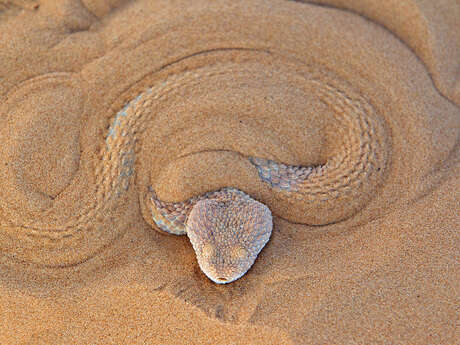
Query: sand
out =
(79, 260)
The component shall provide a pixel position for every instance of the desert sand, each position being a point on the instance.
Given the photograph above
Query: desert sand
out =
(80, 260)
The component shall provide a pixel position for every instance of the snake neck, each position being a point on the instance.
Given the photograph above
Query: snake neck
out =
(172, 217)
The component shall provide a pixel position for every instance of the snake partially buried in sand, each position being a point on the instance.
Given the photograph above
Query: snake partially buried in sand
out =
(227, 227)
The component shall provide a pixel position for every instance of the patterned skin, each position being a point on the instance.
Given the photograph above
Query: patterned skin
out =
(227, 229)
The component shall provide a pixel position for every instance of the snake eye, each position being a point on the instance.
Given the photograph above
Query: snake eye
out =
(239, 253)
(207, 250)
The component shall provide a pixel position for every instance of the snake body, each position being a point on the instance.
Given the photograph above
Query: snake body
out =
(227, 227)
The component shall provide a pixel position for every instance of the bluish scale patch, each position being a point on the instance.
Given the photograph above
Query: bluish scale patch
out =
(127, 157)
(166, 226)
(268, 171)
(161, 224)
(165, 223)
(127, 168)
(122, 113)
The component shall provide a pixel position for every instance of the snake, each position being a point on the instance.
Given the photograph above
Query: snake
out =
(227, 227)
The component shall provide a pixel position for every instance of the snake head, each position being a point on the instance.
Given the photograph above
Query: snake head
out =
(227, 233)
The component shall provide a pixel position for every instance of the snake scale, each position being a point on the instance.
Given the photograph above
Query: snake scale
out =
(227, 227)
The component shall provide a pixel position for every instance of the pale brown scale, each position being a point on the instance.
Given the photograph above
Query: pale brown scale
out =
(227, 229)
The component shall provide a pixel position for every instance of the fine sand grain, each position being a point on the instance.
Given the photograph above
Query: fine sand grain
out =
(367, 89)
